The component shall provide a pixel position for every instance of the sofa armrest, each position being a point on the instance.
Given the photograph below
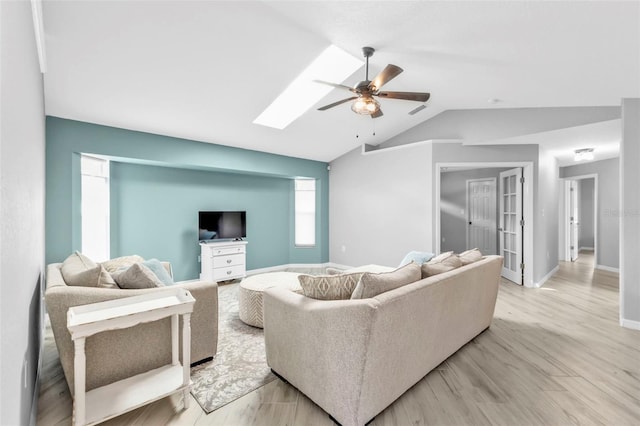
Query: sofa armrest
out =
(204, 319)
(319, 346)
(117, 354)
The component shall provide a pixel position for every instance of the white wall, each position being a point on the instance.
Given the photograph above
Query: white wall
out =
(630, 214)
(608, 250)
(380, 205)
(22, 145)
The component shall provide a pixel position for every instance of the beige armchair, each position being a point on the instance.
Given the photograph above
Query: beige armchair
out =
(117, 354)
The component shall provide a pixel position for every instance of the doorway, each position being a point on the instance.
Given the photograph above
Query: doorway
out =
(578, 224)
(481, 214)
(455, 222)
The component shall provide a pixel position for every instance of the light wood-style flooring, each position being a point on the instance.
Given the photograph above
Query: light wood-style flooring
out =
(553, 356)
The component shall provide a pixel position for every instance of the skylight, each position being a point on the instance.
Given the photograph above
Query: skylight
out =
(334, 64)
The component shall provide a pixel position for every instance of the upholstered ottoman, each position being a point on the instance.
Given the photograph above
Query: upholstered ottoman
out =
(251, 289)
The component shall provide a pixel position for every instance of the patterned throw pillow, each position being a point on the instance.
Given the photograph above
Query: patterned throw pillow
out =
(371, 285)
(444, 262)
(470, 256)
(114, 265)
(329, 287)
(79, 270)
(137, 276)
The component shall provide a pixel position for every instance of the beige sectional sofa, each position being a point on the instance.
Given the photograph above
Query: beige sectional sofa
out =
(115, 355)
(355, 357)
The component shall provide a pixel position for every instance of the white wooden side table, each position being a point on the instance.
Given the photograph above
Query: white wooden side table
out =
(103, 403)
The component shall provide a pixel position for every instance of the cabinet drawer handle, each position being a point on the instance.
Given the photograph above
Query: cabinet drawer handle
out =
(228, 260)
(228, 272)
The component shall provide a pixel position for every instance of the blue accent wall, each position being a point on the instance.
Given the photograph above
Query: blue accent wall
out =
(158, 185)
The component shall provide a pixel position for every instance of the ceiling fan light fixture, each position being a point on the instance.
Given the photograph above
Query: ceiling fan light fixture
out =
(365, 105)
(584, 154)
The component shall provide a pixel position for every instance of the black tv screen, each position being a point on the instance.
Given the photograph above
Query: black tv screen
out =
(221, 225)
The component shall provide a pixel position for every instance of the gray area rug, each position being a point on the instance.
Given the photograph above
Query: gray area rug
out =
(240, 366)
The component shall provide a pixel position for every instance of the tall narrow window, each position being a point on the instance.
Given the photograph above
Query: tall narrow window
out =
(95, 207)
(305, 209)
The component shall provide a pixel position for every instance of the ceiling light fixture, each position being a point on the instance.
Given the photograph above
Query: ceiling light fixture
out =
(333, 64)
(365, 105)
(584, 154)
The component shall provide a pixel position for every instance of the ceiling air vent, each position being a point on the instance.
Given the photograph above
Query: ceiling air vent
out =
(417, 110)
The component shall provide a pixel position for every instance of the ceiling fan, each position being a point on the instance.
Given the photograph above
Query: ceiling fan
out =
(364, 102)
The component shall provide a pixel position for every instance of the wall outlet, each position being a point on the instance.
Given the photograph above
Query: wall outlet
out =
(199, 258)
(343, 249)
(443, 240)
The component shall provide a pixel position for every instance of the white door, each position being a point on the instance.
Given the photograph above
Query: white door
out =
(574, 223)
(481, 211)
(511, 224)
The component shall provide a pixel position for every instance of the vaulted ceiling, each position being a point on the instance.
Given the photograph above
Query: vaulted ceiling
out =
(204, 70)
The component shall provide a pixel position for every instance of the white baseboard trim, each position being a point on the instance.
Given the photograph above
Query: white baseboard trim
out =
(585, 248)
(608, 268)
(546, 277)
(634, 325)
(293, 265)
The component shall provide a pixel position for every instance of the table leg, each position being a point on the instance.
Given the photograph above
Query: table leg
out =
(186, 357)
(79, 370)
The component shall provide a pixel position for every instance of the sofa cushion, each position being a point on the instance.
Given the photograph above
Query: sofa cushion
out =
(470, 256)
(418, 257)
(79, 270)
(371, 285)
(114, 265)
(159, 271)
(329, 287)
(444, 262)
(137, 276)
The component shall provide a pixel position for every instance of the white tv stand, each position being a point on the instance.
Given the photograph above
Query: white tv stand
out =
(221, 261)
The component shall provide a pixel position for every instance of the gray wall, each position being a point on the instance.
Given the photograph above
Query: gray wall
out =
(380, 205)
(608, 250)
(586, 236)
(453, 205)
(22, 145)
(630, 213)
(546, 216)
(498, 123)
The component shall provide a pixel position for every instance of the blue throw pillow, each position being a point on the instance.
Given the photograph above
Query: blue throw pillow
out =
(418, 257)
(158, 269)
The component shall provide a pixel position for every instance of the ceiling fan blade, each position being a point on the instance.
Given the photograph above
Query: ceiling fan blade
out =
(377, 114)
(337, 103)
(336, 85)
(386, 75)
(408, 96)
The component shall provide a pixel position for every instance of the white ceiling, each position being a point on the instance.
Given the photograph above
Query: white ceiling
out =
(204, 70)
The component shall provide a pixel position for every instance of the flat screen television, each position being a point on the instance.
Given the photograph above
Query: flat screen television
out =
(221, 225)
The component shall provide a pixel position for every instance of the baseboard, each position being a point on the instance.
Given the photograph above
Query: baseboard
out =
(292, 265)
(585, 248)
(608, 268)
(634, 325)
(546, 277)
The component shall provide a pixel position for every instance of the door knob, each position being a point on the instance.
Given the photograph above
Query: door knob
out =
(500, 229)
